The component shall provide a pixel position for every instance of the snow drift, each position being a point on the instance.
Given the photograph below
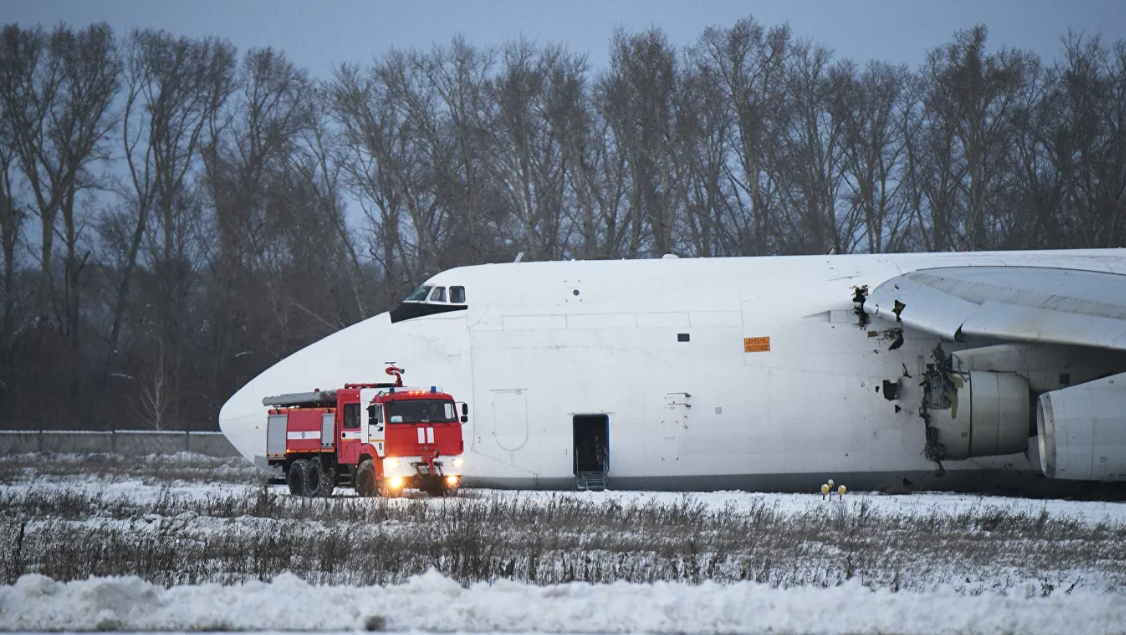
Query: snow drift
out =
(432, 602)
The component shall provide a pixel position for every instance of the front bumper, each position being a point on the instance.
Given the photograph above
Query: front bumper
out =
(412, 466)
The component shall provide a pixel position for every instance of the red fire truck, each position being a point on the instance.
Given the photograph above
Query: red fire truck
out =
(380, 438)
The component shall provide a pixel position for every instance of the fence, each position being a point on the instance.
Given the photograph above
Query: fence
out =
(125, 442)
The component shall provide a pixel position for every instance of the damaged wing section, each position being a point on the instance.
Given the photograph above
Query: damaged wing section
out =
(1027, 304)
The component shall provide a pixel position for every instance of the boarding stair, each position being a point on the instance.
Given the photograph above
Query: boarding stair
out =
(594, 481)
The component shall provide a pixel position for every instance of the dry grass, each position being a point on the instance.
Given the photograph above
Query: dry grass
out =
(70, 532)
(259, 534)
(152, 470)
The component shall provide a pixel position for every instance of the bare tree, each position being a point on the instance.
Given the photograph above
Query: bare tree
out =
(1031, 193)
(639, 94)
(90, 68)
(973, 94)
(374, 156)
(321, 165)
(11, 221)
(812, 166)
(705, 127)
(1087, 143)
(450, 106)
(28, 87)
(247, 160)
(154, 390)
(594, 162)
(273, 108)
(874, 146)
(57, 90)
(173, 86)
(935, 170)
(460, 75)
(748, 63)
(527, 153)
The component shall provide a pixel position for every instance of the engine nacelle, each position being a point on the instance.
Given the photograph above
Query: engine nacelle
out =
(989, 414)
(1082, 430)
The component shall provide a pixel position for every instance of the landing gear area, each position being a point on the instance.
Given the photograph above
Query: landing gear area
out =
(591, 451)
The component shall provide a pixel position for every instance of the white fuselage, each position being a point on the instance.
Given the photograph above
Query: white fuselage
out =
(528, 354)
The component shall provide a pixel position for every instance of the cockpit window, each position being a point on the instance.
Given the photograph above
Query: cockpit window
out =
(419, 294)
(429, 299)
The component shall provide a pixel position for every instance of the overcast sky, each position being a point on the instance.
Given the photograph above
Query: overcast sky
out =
(320, 35)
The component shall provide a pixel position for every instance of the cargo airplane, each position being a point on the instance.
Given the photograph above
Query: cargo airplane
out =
(954, 371)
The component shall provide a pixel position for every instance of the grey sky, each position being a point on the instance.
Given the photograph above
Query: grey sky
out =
(320, 35)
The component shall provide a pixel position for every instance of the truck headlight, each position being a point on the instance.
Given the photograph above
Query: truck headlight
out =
(452, 481)
(394, 463)
(458, 462)
(395, 482)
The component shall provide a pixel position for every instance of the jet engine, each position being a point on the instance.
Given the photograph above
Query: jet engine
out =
(976, 413)
(1082, 430)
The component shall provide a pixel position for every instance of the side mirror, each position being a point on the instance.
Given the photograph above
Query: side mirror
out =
(464, 419)
(464, 412)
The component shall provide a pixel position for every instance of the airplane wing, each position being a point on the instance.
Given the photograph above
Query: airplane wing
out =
(1027, 304)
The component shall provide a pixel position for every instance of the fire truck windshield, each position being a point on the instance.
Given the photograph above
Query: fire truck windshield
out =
(421, 411)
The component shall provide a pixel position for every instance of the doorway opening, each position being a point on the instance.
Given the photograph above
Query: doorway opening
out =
(591, 450)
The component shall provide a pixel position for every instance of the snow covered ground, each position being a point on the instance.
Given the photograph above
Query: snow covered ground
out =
(198, 477)
(432, 602)
(192, 543)
(920, 505)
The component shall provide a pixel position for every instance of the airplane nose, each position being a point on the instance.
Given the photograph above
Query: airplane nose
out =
(354, 354)
(237, 421)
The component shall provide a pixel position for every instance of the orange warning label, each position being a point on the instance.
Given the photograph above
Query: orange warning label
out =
(756, 344)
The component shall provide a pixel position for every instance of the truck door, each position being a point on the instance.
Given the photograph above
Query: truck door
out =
(357, 428)
(376, 428)
(349, 447)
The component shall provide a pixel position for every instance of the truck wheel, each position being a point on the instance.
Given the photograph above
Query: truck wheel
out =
(320, 479)
(313, 478)
(365, 479)
(296, 477)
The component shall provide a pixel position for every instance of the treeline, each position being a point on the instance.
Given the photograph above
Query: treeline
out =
(175, 215)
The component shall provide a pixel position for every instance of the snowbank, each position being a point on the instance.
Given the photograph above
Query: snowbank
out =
(432, 602)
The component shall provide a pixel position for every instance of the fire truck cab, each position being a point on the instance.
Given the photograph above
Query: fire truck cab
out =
(380, 438)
